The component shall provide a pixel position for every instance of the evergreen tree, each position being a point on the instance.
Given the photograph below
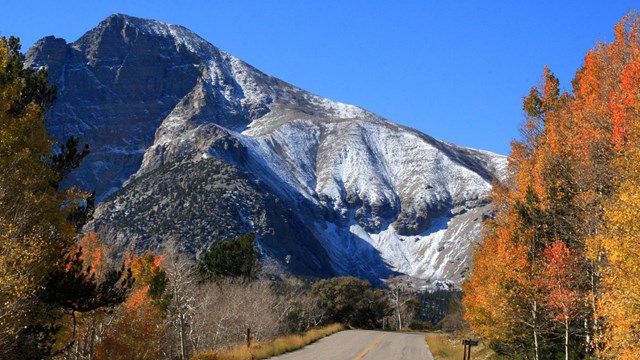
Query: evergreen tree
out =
(234, 258)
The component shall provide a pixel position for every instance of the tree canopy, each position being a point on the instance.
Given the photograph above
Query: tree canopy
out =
(233, 258)
(559, 261)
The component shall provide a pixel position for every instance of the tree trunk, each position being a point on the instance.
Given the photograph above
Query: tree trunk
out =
(594, 291)
(399, 319)
(396, 300)
(535, 331)
(183, 354)
(566, 338)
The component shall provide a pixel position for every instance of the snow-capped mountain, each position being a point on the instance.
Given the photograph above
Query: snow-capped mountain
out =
(191, 144)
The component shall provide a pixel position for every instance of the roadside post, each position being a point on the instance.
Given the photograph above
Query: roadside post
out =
(467, 347)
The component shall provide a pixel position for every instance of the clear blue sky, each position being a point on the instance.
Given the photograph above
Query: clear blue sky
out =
(456, 70)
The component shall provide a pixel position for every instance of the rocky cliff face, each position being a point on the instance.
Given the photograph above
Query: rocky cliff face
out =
(191, 144)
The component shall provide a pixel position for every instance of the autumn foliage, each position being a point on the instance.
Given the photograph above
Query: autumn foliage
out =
(141, 324)
(561, 259)
(557, 279)
(38, 221)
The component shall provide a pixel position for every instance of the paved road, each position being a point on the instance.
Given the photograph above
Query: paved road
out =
(364, 345)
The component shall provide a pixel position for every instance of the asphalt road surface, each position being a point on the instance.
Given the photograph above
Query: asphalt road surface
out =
(364, 345)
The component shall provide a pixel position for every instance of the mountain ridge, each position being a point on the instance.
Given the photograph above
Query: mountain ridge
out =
(379, 198)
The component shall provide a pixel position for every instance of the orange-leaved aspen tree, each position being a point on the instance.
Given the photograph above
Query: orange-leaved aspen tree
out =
(559, 282)
(520, 232)
(141, 325)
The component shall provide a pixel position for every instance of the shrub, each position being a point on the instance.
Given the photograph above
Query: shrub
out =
(351, 301)
(209, 355)
(420, 325)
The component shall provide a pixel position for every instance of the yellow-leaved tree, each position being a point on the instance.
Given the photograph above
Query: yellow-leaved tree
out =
(619, 240)
(37, 225)
(620, 299)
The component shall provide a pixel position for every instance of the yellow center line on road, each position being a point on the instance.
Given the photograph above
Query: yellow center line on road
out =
(369, 348)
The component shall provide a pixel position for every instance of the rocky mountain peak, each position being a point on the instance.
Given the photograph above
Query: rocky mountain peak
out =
(199, 146)
(120, 28)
